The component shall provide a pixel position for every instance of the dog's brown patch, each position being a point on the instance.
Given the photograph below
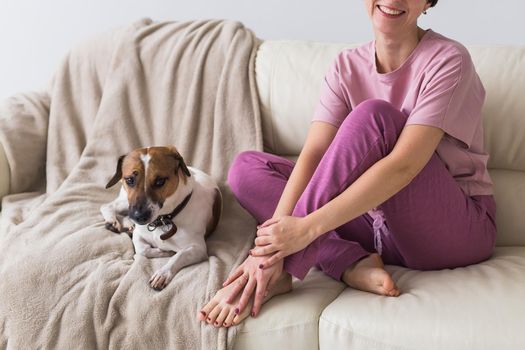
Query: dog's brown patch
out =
(133, 167)
(161, 165)
(216, 214)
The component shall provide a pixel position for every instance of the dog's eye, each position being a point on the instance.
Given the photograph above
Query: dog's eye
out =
(130, 181)
(159, 181)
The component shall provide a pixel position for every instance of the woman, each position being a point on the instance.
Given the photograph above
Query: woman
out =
(393, 171)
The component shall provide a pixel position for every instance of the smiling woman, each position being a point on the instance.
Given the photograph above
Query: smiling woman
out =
(393, 171)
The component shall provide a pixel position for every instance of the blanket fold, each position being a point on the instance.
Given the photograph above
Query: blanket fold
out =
(67, 282)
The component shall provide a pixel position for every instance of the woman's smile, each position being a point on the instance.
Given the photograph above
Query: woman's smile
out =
(390, 12)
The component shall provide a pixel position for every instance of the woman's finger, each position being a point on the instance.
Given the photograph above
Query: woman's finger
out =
(263, 232)
(268, 222)
(262, 241)
(246, 294)
(273, 259)
(234, 275)
(262, 251)
(239, 285)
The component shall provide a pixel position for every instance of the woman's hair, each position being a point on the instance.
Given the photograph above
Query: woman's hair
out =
(432, 2)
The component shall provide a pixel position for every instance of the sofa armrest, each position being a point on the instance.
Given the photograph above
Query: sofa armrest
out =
(4, 173)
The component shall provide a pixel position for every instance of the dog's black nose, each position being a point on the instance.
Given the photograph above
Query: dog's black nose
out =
(139, 215)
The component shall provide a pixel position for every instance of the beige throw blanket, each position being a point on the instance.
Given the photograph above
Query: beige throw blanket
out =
(65, 281)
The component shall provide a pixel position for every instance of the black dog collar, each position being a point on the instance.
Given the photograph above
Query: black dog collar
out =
(166, 220)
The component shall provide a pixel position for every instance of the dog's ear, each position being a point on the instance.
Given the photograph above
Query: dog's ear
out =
(181, 164)
(118, 173)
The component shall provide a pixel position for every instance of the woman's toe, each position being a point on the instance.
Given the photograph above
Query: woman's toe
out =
(222, 316)
(229, 319)
(212, 316)
(393, 292)
(207, 309)
(201, 315)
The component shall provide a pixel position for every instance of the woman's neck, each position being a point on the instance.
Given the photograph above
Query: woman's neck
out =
(391, 51)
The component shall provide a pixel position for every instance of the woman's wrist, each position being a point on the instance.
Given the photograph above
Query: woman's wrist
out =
(311, 227)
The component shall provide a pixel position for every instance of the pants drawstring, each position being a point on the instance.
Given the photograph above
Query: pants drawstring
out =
(379, 227)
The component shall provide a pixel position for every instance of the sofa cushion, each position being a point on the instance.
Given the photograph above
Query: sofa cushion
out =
(509, 191)
(502, 71)
(290, 321)
(476, 307)
(288, 76)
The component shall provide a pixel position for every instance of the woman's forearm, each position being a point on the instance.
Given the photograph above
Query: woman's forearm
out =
(380, 182)
(320, 135)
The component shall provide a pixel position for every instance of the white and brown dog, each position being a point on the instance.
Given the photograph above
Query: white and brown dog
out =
(170, 208)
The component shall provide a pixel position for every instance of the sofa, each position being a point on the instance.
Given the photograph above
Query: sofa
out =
(476, 307)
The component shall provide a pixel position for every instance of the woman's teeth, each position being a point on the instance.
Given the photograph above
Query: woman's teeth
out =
(390, 11)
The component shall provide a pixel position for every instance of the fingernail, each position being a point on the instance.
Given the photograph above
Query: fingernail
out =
(237, 311)
(261, 266)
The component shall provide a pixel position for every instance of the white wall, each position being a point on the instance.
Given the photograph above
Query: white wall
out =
(35, 34)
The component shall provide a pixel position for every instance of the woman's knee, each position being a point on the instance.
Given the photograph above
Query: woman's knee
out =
(238, 174)
(379, 113)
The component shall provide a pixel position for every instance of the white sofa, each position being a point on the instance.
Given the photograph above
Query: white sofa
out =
(477, 307)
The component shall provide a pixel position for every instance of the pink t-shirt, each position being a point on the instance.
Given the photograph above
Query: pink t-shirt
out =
(437, 85)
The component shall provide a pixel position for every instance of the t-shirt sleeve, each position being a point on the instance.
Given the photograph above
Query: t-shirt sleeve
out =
(332, 107)
(451, 99)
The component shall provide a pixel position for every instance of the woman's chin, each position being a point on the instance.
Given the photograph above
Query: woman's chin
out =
(388, 29)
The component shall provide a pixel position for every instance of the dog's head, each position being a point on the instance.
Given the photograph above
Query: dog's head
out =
(149, 176)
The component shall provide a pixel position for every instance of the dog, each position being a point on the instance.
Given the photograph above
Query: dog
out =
(166, 207)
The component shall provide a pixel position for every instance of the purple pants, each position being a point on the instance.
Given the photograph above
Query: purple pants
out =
(429, 224)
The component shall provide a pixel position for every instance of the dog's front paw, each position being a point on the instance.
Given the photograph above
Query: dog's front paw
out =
(160, 279)
(114, 226)
(121, 225)
(128, 226)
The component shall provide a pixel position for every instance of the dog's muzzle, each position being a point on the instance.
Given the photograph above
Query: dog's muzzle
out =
(140, 214)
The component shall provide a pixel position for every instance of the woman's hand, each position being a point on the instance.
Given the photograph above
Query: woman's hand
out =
(250, 277)
(280, 237)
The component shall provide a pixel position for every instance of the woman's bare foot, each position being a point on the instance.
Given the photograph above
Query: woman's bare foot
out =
(221, 314)
(369, 275)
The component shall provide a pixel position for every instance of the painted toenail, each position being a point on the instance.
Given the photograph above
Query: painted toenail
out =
(237, 311)
(203, 313)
